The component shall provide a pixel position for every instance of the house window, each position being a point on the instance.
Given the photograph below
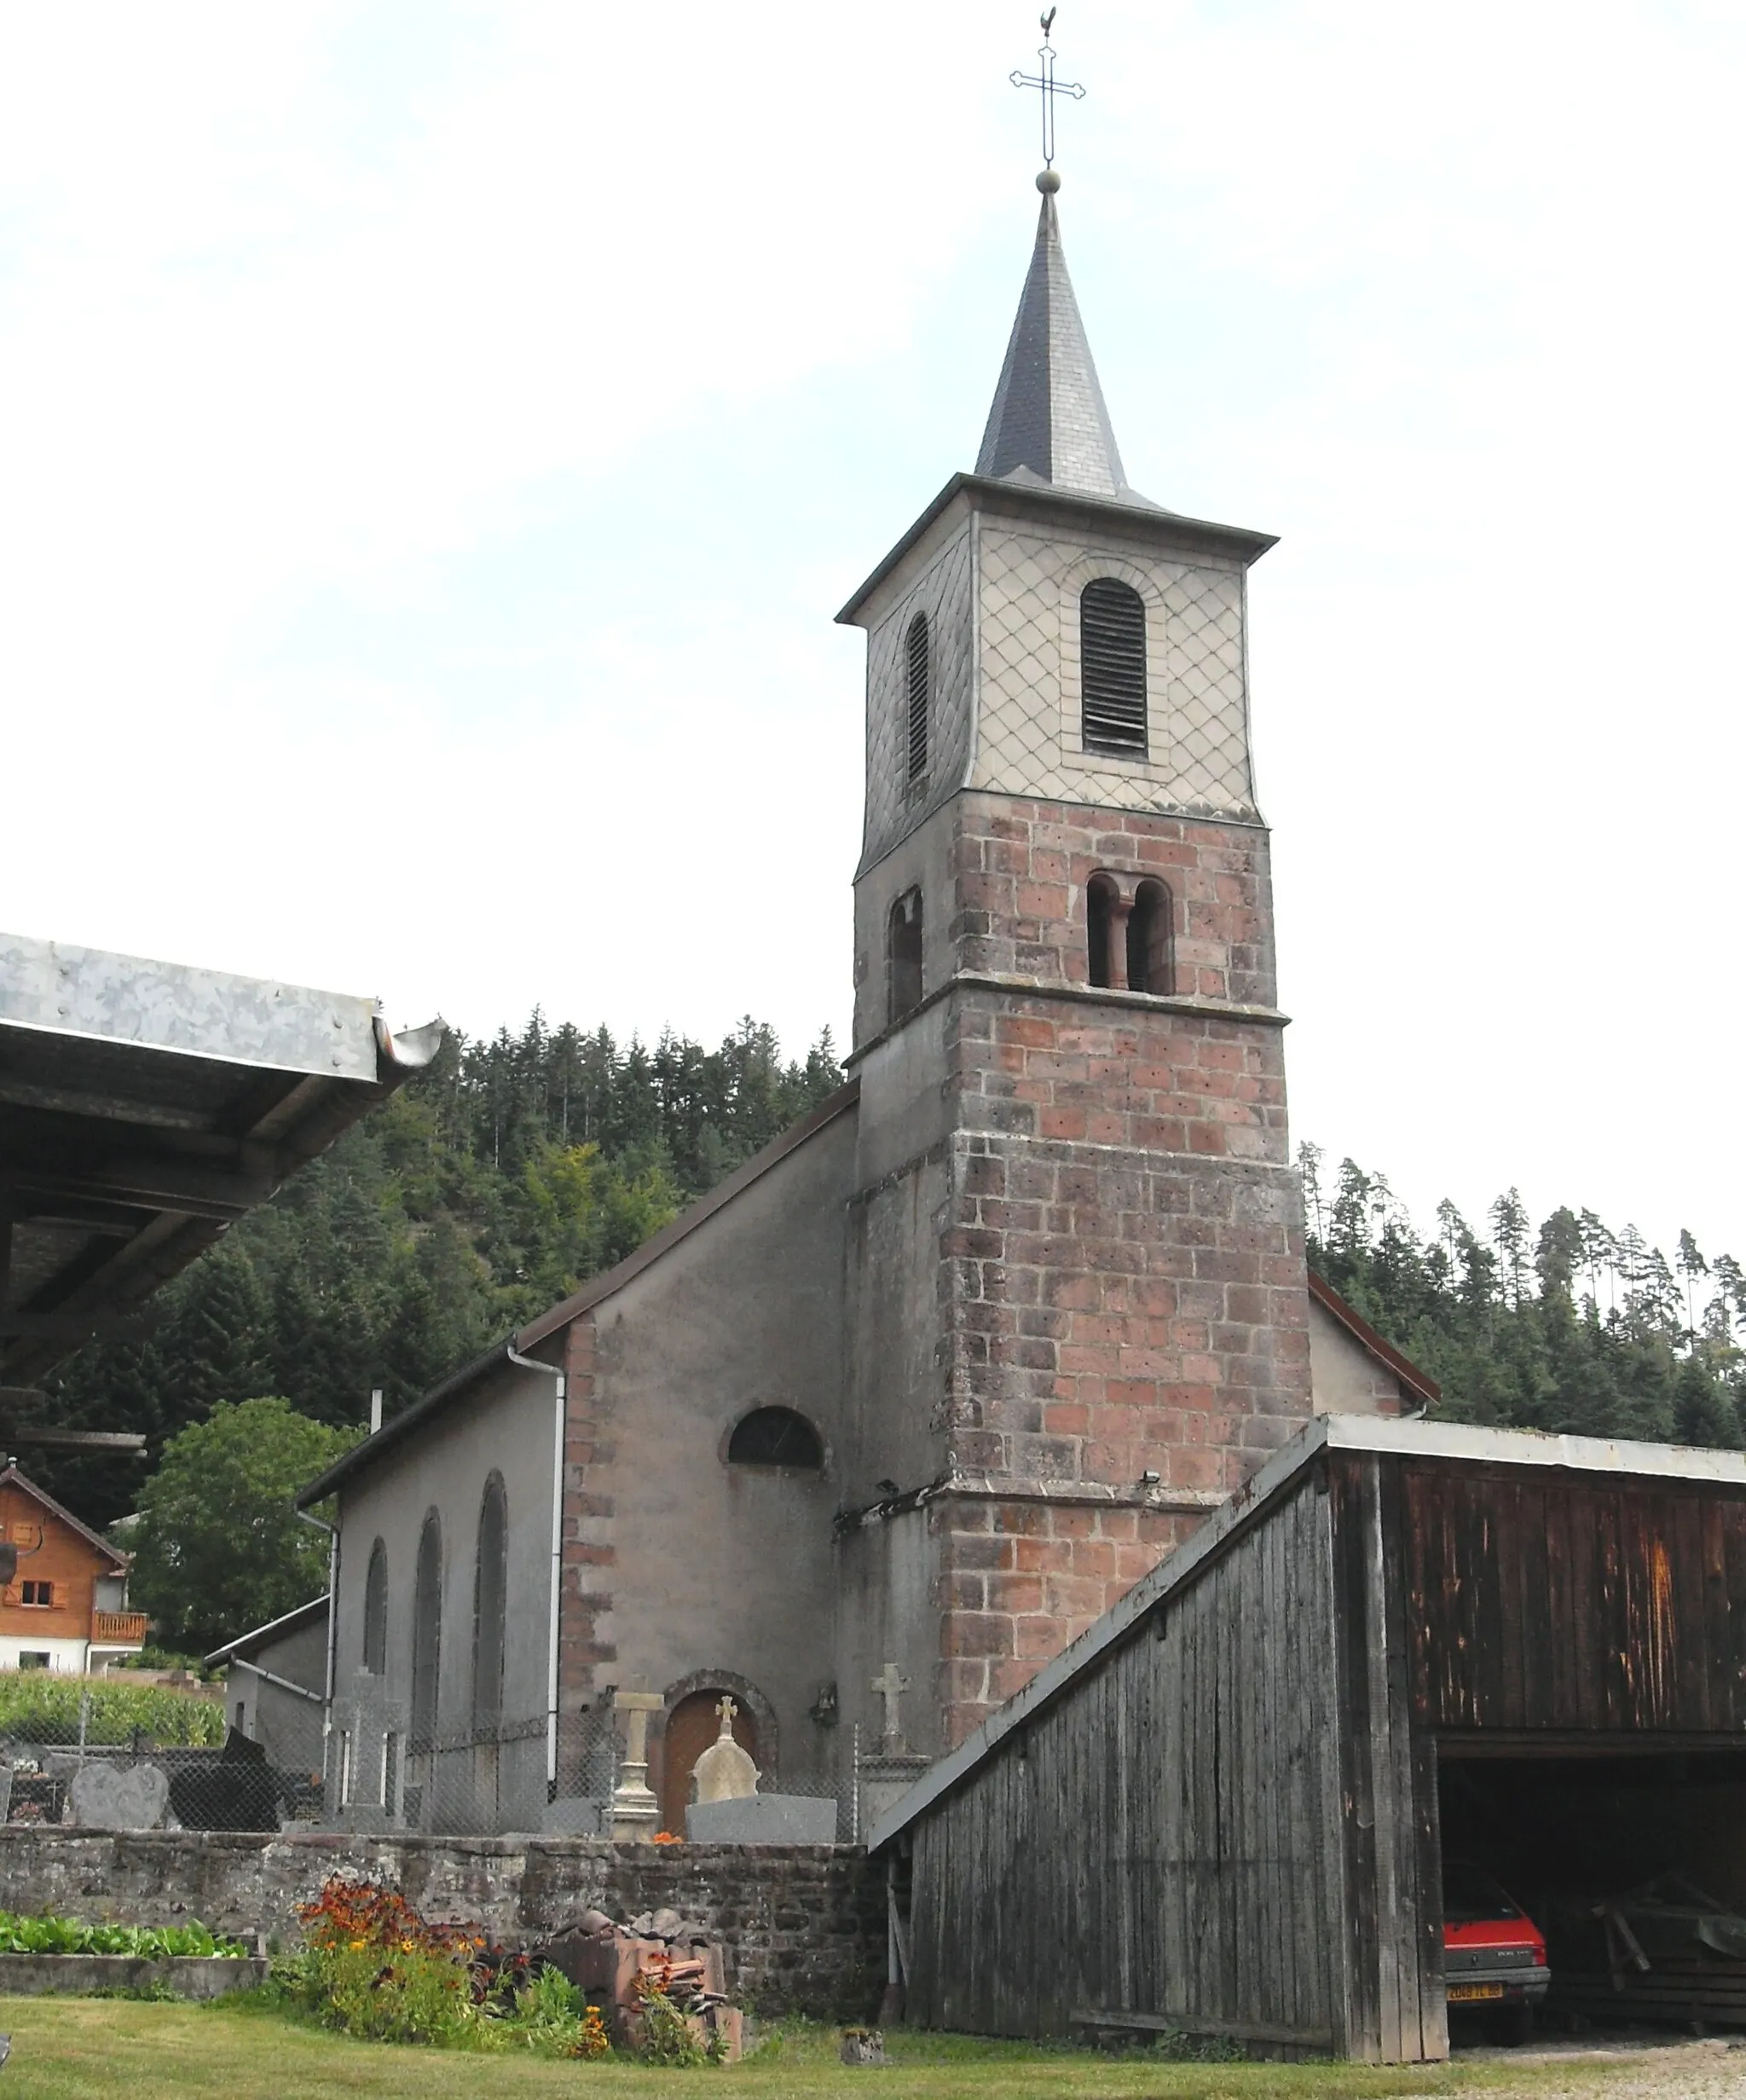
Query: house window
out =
(34, 1658)
(1112, 667)
(1150, 948)
(427, 1631)
(39, 1594)
(916, 669)
(775, 1437)
(904, 936)
(376, 1611)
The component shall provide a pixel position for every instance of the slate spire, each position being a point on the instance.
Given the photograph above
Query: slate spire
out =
(1049, 419)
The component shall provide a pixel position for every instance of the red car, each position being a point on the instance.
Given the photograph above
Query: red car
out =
(1493, 1954)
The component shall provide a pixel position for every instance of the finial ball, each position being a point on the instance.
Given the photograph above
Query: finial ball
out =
(1049, 181)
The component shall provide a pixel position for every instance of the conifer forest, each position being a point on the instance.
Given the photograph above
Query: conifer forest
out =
(516, 1167)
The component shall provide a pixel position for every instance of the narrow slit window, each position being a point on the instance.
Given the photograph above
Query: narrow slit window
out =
(1150, 965)
(906, 954)
(1112, 667)
(376, 1611)
(1100, 899)
(916, 685)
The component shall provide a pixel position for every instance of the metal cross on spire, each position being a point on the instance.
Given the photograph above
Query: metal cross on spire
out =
(1048, 88)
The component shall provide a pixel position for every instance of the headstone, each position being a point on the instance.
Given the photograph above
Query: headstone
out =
(635, 1811)
(724, 1771)
(117, 1797)
(763, 1820)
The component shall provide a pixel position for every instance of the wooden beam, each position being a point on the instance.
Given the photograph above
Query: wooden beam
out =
(77, 1101)
(160, 1185)
(72, 1439)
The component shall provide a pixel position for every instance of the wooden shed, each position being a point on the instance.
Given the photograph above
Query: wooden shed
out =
(1225, 1806)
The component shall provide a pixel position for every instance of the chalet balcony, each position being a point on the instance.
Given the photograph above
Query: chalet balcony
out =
(117, 1630)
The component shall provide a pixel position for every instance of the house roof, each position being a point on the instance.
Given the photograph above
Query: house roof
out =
(12, 1478)
(314, 1613)
(525, 1340)
(144, 1107)
(1425, 1389)
(1384, 1434)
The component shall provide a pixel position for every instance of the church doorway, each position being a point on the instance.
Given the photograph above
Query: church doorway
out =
(691, 1726)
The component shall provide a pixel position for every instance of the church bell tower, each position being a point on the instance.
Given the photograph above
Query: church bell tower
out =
(1078, 1314)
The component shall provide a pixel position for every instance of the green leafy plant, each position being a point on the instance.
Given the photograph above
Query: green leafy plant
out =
(41, 1706)
(20, 1934)
(373, 1968)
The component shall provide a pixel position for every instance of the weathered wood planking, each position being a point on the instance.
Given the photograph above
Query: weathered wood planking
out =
(1159, 1840)
(1573, 1602)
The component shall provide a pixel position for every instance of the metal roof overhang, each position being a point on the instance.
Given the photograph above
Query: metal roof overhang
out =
(144, 1108)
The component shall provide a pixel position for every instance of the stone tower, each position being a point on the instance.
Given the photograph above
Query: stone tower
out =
(1077, 1308)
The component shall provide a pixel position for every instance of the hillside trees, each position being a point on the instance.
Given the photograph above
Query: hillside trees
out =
(484, 1191)
(1570, 1327)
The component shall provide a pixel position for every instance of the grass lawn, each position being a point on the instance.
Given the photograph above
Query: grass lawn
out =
(94, 2049)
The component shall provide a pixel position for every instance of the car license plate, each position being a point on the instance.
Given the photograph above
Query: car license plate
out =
(1464, 1993)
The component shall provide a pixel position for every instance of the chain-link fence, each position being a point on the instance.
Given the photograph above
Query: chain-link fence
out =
(288, 1770)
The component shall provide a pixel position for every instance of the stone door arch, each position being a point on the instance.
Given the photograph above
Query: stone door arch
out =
(691, 1726)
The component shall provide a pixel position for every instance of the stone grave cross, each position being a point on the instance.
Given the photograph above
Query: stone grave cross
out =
(724, 1771)
(891, 1687)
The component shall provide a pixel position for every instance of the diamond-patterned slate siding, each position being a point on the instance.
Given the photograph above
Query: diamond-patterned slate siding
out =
(894, 805)
(1028, 740)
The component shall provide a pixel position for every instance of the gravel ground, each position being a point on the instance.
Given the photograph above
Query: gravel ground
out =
(1625, 2070)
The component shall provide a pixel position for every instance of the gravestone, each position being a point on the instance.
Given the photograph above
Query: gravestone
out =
(763, 1820)
(117, 1797)
(724, 1771)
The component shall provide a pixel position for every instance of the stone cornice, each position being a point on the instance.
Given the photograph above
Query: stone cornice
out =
(1077, 995)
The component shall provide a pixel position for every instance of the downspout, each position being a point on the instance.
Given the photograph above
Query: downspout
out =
(532, 1363)
(332, 1532)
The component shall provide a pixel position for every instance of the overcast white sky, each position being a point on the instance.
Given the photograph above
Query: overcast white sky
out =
(434, 439)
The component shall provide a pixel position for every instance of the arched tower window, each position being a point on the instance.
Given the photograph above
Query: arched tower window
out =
(1102, 908)
(427, 1630)
(1112, 667)
(916, 693)
(775, 1437)
(904, 937)
(1150, 923)
(490, 1605)
(376, 1611)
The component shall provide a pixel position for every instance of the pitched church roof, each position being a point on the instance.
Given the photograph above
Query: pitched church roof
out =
(1049, 422)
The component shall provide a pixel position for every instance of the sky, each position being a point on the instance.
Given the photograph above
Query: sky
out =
(435, 439)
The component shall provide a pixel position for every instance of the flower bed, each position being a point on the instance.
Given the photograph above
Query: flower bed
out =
(373, 1968)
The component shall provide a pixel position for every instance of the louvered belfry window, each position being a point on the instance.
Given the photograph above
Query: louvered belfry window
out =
(1112, 667)
(916, 691)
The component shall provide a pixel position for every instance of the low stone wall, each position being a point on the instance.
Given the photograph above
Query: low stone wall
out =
(190, 1975)
(803, 1927)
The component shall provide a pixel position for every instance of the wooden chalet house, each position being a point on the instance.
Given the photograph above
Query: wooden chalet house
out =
(66, 1606)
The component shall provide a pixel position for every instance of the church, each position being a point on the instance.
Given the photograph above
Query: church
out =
(875, 1429)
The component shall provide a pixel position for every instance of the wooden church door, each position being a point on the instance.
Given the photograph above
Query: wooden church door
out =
(691, 1726)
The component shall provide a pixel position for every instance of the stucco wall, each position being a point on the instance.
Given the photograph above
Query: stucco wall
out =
(289, 1728)
(803, 1927)
(505, 1425)
(716, 1569)
(1344, 1378)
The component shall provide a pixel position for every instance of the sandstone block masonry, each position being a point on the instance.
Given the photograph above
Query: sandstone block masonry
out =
(803, 1927)
(1126, 1312)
